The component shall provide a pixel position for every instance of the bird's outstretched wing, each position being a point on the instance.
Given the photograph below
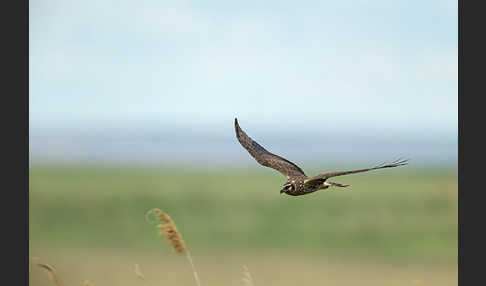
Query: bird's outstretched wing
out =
(322, 177)
(266, 158)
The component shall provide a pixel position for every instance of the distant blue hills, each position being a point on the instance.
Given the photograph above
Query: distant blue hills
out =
(185, 146)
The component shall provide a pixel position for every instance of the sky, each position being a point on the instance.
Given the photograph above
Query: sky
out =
(386, 68)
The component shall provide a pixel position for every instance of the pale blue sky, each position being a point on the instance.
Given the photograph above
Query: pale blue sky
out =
(384, 66)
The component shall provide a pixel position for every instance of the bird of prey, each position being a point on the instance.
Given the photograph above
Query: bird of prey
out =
(297, 182)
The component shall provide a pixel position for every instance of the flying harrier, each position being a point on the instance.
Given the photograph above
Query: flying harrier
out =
(297, 182)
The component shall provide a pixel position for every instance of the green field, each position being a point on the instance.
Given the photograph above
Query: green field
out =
(400, 223)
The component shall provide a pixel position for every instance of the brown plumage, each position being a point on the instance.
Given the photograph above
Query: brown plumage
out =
(297, 182)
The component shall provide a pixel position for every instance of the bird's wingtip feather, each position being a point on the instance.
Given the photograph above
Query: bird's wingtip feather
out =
(237, 128)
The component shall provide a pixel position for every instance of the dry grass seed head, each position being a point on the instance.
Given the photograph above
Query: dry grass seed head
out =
(53, 273)
(138, 272)
(247, 277)
(162, 217)
(168, 228)
(173, 236)
(155, 216)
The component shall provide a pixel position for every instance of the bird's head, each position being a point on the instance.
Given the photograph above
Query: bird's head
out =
(286, 188)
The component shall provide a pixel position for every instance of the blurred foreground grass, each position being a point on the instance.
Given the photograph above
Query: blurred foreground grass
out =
(390, 215)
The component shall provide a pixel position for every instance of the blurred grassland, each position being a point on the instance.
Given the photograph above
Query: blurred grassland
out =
(393, 214)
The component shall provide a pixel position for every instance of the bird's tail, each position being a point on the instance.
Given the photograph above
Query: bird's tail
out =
(335, 184)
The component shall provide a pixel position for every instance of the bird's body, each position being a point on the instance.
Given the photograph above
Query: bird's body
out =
(298, 186)
(297, 182)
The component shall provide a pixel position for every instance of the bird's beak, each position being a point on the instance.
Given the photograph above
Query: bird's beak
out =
(282, 191)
